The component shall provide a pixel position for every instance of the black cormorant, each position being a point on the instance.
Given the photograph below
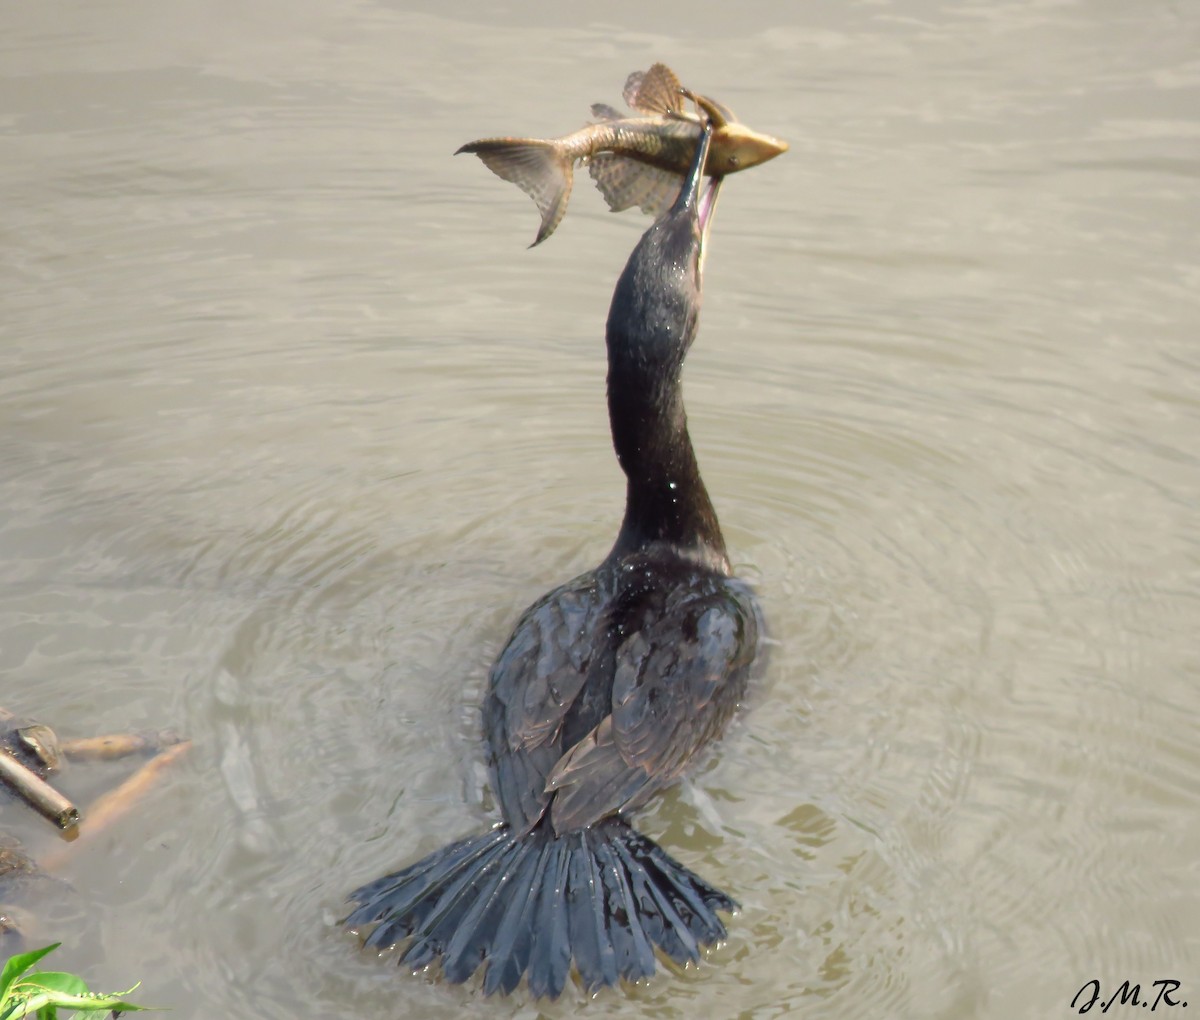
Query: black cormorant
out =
(607, 689)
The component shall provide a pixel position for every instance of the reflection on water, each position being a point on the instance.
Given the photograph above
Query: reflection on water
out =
(292, 426)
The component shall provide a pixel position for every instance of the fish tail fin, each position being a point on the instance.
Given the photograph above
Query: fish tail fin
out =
(544, 170)
(530, 905)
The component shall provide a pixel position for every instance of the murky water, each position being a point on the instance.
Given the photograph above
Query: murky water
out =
(292, 426)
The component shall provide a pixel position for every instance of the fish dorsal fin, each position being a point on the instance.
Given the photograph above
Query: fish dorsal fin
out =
(655, 91)
(626, 182)
(602, 111)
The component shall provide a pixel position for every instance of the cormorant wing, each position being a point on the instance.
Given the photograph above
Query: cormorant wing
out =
(533, 684)
(677, 681)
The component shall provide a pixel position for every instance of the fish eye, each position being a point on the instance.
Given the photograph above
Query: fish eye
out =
(734, 162)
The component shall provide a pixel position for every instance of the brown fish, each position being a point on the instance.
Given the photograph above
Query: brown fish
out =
(633, 160)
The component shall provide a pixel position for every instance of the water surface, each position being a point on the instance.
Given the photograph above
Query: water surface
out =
(292, 427)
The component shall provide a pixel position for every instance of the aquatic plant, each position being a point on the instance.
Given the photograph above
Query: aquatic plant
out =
(25, 992)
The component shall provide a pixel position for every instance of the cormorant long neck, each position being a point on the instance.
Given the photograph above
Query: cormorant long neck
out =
(665, 501)
(651, 324)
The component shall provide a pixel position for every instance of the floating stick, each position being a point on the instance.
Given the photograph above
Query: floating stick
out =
(37, 792)
(112, 807)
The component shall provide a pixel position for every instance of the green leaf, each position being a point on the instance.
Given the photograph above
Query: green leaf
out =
(56, 981)
(17, 1006)
(35, 1000)
(41, 994)
(18, 964)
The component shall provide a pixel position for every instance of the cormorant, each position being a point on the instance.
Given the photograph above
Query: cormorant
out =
(607, 689)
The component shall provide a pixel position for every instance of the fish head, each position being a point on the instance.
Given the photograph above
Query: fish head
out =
(737, 147)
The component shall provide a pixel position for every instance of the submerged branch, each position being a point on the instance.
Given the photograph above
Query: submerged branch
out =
(118, 745)
(112, 807)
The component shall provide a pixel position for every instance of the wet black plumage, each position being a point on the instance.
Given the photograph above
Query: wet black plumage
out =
(604, 693)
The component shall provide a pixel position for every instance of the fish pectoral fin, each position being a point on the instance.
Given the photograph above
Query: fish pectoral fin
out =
(539, 168)
(655, 91)
(626, 182)
(603, 112)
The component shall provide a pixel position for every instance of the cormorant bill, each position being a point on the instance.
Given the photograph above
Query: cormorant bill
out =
(606, 691)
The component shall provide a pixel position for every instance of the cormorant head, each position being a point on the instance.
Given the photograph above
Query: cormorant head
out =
(656, 304)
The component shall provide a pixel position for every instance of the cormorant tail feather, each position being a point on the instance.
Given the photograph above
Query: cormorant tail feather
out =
(603, 898)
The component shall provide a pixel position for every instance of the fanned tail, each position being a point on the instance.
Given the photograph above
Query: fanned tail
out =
(603, 898)
(541, 169)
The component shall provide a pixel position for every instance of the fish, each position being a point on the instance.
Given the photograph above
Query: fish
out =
(634, 161)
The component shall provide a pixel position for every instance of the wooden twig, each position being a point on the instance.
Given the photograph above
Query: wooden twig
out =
(39, 794)
(113, 806)
(118, 745)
